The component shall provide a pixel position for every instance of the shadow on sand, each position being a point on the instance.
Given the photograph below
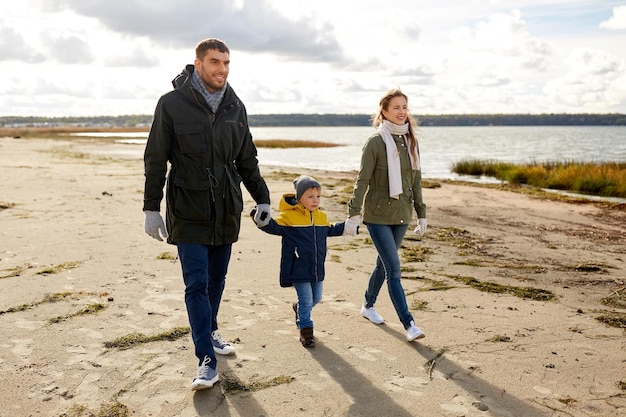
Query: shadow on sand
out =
(368, 399)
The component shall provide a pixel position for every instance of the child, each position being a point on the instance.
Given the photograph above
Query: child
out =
(304, 229)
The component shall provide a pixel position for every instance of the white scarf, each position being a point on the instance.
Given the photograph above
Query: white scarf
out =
(386, 129)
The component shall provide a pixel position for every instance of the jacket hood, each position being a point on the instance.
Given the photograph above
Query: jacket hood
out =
(288, 202)
(294, 213)
(185, 75)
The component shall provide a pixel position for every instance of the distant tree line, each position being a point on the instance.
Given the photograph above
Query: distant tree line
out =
(263, 120)
(615, 119)
(584, 119)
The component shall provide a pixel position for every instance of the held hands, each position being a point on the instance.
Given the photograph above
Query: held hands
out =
(422, 224)
(263, 215)
(351, 226)
(154, 225)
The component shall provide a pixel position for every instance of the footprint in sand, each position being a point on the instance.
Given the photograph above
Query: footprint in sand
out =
(542, 390)
(158, 302)
(406, 384)
(340, 304)
(88, 387)
(94, 334)
(463, 406)
(369, 354)
(23, 348)
(28, 324)
(316, 384)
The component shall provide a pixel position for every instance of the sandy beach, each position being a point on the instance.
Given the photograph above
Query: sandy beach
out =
(516, 296)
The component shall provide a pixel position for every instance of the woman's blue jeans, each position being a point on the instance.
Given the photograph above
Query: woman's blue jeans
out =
(309, 294)
(204, 273)
(387, 240)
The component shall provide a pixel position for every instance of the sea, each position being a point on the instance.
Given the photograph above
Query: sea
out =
(440, 147)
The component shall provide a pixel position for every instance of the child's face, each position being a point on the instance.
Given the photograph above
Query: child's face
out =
(311, 198)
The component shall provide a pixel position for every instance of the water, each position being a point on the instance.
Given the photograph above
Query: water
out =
(440, 147)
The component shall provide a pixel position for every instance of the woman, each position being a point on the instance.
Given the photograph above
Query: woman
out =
(387, 189)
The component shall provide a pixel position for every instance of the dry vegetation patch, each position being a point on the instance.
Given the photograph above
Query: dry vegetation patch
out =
(136, 339)
(231, 383)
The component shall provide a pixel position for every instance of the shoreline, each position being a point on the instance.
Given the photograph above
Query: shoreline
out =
(132, 150)
(72, 224)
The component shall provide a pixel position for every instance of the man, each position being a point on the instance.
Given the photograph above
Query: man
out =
(201, 129)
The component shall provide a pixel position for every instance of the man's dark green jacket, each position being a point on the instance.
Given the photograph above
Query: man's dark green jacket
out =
(209, 155)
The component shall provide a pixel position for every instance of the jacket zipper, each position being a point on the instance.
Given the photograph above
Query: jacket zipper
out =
(314, 246)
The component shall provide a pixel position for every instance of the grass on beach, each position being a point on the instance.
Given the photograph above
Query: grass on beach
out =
(69, 132)
(286, 143)
(606, 179)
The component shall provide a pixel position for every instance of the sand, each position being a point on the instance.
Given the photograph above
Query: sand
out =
(77, 271)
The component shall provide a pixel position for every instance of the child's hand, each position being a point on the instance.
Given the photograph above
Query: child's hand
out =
(351, 226)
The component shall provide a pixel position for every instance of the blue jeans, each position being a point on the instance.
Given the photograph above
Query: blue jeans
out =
(387, 240)
(204, 273)
(309, 294)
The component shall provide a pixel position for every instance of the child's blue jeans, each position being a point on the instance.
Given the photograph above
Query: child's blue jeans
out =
(309, 294)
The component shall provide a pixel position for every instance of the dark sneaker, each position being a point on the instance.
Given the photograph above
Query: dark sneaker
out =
(295, 310)
(207, 376)
(220, 345)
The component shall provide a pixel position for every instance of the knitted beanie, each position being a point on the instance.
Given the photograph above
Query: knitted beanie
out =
(303, 183)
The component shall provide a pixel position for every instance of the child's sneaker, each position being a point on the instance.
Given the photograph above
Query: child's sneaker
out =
(207, 376)
(220, 345)
(371, 315)
(306, 337)
(413, 332)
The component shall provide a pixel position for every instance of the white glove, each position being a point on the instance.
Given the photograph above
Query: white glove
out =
(154, 225)
(422, 224)
(263, 215)
(351, 226)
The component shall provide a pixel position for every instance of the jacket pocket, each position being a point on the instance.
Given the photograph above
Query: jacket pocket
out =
(382, 206)
(234, 198)
(191, 199)
(190, 137)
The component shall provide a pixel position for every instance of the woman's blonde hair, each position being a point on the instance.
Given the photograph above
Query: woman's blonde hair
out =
(378, 118)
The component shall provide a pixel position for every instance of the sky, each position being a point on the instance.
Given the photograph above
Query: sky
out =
(117, 57)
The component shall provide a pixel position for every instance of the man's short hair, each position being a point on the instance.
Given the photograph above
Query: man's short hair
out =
(212, 43)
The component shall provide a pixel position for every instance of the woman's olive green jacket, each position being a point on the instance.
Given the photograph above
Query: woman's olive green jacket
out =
(371, 199)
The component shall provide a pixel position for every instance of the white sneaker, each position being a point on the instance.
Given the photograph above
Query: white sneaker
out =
(220, 345)
(207, 376)
(414, 332)
(371, 315)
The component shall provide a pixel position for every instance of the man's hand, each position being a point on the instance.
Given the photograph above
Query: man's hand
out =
(263, 215)
(154, 225)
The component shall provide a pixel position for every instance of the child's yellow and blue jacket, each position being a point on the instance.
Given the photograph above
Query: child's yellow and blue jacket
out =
(304, 236)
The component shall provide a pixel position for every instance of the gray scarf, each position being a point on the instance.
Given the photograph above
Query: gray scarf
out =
(212, 99)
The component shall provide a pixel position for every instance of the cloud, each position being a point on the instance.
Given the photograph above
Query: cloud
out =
(498, 49)
(67, 47)
(591, 79)
(328, 56)
(257, 27)
(501, 34)
(137, 57)
(13, 46)
(617, 21)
